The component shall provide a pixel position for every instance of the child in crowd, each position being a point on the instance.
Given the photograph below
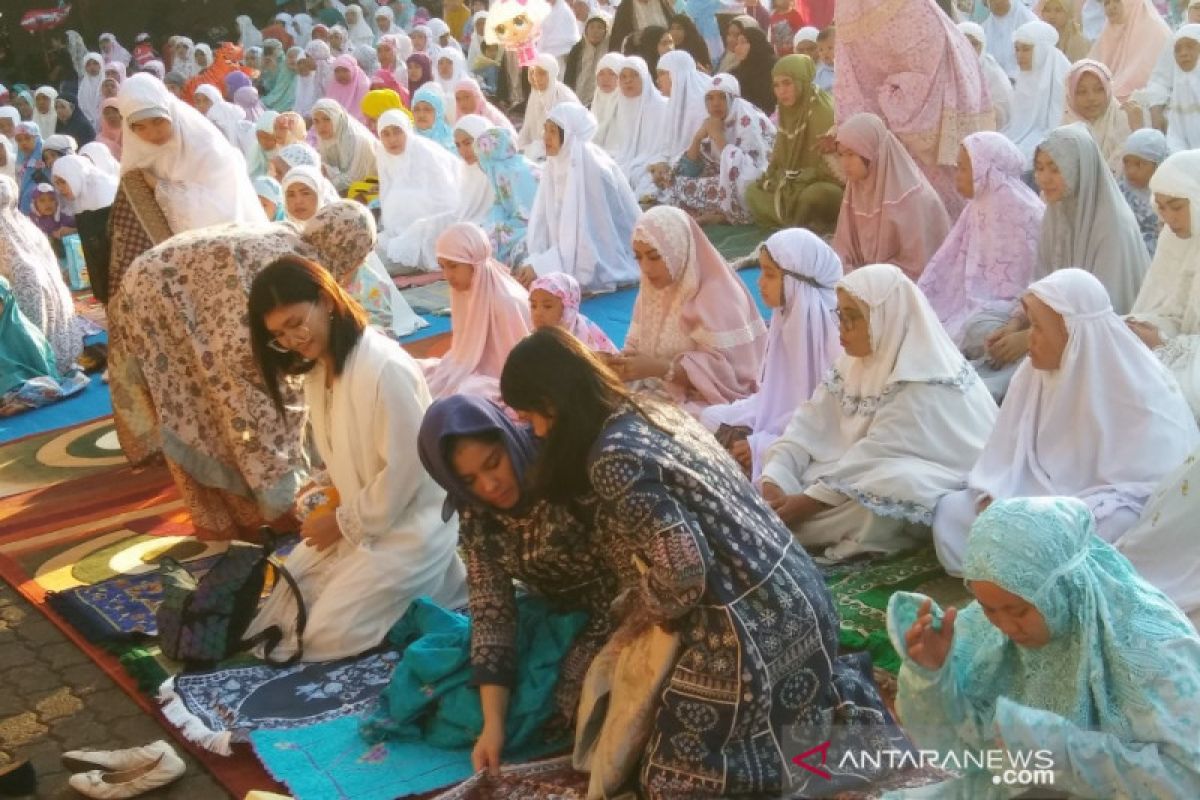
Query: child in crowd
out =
(50, 217)
(825, 42)
(805, 42)
(554, 300)
(1144, 150)
(786, 22)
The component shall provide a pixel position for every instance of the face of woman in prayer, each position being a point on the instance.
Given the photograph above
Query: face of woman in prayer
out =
(324, 125)
(1187, 52)
(62, 109)
(732, 33)
(110, 88)
(742, 48)
(268, 207)
(607, 80)
(805, 49)
(785, 90)
(770, 279)
(1000, 7)
(854, 325)
(25, 143)
(664, 82)
(464, 101)
(654, 267)
(64, 189)
(414, 73)
(394, 140)
(717, 104)
(201, 59)
(342, 75)
(50, 156)
(23, 108)
(854, 166)
(594, 32)
(1024, 56)
(336, 41)
(545, 310)
(964, 176)
(424, 116)
(1091, 100)
(92, 68)
(666, 44)
(552, 138)
(112, 116)
(387, 56)
(419, 40)
(458, 274)
(1047, 334)
(42, 101)
(181, 50)
(155, 130)
(631, 83)
(539, 79)
(1176, 212)
(203, 104)
(301, 201)
(1048, 178)
(303, 328)
(465, 145)
(1114, 11)
(486, 471)
(1054, 14)
(1013, 616)
(266, 140)
(445, 69)
(1138, 171)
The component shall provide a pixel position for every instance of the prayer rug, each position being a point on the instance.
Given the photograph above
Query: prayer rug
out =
(736, 241)
(40, 460)
(330, 759)
(861, 588)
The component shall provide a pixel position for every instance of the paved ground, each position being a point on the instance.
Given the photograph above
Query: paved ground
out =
(53, 698)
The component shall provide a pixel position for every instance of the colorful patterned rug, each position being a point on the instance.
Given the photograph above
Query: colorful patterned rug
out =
(862, 588)
(64, 455)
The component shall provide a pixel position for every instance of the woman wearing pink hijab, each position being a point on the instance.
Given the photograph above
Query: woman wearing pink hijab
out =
(908, 63)
(489, 314)
(1130, 45)
(348, 86)
(890, 213)
(554, 301)
(696, 336)
(468, 99)
(110, 127)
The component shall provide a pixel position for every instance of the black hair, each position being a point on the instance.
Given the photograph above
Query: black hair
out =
(292, 279)
(826, 32)
(551, 372)
(693, 42)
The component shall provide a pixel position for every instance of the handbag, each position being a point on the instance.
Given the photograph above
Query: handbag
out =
(202, 621)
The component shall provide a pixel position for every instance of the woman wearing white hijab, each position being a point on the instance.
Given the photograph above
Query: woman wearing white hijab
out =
(258, 159)
(358, 29)
(102, 158)
(200, 178)
(303, 24)
(799, 272)
(1006, 18)
(185, 58)
(312, 76)
(458, 71)
(88, 187)
(113, 50)
(685, 99)
(999, 84)
(546, 92)
(89, 97)
(1040, 95)
(385, 22)
(229, 118)
(584, 213)
(418, 179)
(1092, 415)
(306, 191)
(560, 31)
(895, 425)
(606, 100)
(1166, 315)
(1174, 89)
(46, 120)
(347, 148)
(641, 126)
(249, 36)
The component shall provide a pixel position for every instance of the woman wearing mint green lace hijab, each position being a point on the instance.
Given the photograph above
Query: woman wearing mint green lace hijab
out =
(1066, 649)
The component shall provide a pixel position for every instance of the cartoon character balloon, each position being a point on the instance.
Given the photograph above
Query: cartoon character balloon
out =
(517, 25)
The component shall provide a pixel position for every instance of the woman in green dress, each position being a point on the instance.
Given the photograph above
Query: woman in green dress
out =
(800, 188)
(28, 375)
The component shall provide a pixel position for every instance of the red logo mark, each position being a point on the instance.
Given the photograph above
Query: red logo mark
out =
(823, 749)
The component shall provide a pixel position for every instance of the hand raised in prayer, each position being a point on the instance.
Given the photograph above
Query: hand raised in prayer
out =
(1008, 348)
(486, 755)
(926, 646)
(1149, 334)
(826, 144)
(525, 275)
(741, 452)
(321, 531)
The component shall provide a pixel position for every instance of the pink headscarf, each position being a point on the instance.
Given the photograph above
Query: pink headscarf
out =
(908, 63)
(382, 79)
(349, 96)
(986, 262)
(706, 322)
(893, 215)
(1131, 50)
(482, 107)
(802, 342)
(109, 134)
(566, 289)
(487, 320)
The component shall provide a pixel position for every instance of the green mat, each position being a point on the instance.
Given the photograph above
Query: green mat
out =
(861, 590)
(736, 241)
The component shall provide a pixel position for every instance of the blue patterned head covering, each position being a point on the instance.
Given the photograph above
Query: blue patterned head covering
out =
(268, 187)
(467, 415)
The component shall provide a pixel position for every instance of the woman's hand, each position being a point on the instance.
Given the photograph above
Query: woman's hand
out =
(926, 646)
(635, 367)
(826, 144)
(486, 755)
(1008, 348)
(321, 531)
(525, 275)
(1149, 334)
(741, 452)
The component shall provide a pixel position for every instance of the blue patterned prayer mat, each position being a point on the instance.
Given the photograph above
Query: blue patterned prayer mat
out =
(217, 707)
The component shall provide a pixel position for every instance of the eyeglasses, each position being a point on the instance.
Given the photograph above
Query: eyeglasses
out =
(300, 335)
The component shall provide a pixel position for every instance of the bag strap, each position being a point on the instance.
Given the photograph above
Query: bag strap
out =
(273, 635)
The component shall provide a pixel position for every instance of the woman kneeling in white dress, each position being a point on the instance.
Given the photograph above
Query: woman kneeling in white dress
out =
(385, 543)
